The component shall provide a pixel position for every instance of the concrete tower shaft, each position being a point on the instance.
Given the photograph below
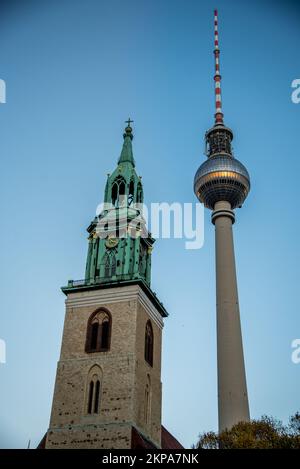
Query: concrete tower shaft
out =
(233, 404)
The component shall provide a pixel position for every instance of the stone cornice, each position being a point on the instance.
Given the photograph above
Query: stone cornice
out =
(96, 297)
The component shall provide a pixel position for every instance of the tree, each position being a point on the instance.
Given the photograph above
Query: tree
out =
(265, 433)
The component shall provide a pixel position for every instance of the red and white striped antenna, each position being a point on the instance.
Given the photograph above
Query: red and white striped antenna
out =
(217, 77)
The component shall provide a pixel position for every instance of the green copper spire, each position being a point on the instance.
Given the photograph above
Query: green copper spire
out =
(119, 243)
(126, 153)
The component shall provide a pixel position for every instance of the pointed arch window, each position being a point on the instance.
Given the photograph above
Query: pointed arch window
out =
(113, 263)
(97, 397)
(93, 390)
(106, 265)
(139, 196)
(118, 191)
(98, 332)
(142, 258)
(91, 394)
(94, 334)
(149, 343)
(110, 263)
(131, 192)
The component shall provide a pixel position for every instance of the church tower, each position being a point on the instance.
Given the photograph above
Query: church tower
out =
(108, 382)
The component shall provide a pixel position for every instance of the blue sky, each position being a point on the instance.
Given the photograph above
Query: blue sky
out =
(74, 71)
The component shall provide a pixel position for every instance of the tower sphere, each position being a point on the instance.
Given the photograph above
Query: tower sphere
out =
(222, 178)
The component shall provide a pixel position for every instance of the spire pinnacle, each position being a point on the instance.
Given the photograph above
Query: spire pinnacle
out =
(217, 77)
(126, 153)
(128, 129)
(128, 122)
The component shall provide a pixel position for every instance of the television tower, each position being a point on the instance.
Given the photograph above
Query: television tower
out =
(222, 183)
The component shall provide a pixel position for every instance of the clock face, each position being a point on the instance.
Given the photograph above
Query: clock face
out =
(111, 242)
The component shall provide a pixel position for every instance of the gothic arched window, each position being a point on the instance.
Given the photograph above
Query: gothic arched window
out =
(94, 334)
(110, 263)
(113, 263)
(142, 258)
(91, 393)
(98, 332)
(139, 196)
(106, 265)
(118, 191)
(97, 397)
(93, 390)
(131, 192)
(149, 343)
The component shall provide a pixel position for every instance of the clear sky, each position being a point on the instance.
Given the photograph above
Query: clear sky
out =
(75, 70)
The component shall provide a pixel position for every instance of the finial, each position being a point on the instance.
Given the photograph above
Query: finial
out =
(217, 77)
(128, 129)
(128, 121)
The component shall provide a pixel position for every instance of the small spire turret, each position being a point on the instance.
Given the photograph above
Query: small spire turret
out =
(127, 153)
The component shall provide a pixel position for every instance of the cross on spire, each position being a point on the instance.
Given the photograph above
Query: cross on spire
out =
(128, 122)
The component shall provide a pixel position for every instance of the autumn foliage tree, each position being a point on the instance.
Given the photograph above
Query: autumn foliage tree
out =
(265, 433)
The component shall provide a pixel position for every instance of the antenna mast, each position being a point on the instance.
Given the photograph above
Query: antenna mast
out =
(217, 77)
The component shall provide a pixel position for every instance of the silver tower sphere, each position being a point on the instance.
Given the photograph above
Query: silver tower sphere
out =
(221, 177)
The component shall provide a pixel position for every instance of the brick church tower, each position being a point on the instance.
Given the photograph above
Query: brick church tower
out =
(108, 382)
